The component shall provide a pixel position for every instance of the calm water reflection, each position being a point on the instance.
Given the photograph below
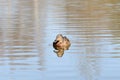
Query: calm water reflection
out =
(28, 28)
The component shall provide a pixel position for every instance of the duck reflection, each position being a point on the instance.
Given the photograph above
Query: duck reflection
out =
(60, 44)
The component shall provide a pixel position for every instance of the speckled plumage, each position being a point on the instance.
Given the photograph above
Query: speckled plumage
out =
(61, 43)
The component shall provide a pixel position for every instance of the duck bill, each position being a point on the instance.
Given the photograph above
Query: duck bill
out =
(55, 42)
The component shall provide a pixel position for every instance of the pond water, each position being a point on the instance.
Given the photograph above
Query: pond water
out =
(29, 27)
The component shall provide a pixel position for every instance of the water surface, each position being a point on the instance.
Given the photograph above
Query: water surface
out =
(28, 28)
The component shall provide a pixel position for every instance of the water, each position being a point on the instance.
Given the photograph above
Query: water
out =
(28, 28)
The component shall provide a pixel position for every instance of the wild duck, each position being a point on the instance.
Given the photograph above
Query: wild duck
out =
(60, 44)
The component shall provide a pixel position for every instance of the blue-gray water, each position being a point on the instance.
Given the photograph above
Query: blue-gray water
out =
(28, 28)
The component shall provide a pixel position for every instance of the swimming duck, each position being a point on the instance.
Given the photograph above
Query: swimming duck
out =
(61, 43)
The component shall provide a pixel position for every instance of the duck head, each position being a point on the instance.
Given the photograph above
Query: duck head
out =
(59, 38)
(57, 44)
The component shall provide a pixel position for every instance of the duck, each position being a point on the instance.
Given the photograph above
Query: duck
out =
(60, 44)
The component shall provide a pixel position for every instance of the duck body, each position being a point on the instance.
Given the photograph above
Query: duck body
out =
(61, 43)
